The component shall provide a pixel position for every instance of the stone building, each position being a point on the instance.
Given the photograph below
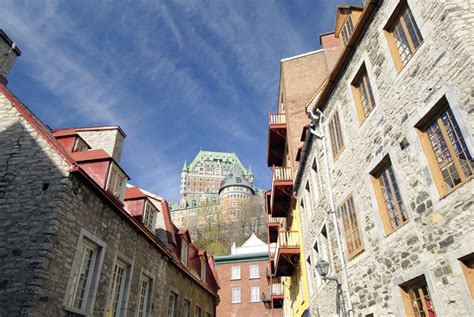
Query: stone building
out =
(201, 180)
(301, 77)
(220, 195)
(385, 176)
(243, 281)
(74, 239)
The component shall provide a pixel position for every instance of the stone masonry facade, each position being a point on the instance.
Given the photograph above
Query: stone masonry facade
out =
(439, 230)
(44, 209)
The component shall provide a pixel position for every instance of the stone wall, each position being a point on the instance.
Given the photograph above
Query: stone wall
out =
(43, 211)
(111, 141)
(439, 228)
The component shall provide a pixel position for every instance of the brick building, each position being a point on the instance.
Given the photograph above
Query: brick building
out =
(75, 240)
(301, 78)
(243, 281)
(385, 177)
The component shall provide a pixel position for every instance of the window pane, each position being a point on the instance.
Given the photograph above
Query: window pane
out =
(413, 30)
(351, 227)
(83, 278)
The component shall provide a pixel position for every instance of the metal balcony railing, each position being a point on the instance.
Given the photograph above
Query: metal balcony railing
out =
(272, 249)
(280, 220)
(282, 174)
(277, 289)
(286, 239)
(277, 118)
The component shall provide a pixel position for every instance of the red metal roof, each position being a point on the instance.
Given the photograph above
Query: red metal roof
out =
(91, 155)
(134, 193)
(98, 128)
(64, 132)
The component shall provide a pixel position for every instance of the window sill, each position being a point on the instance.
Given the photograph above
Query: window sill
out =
(254, 278)
(236, 303)
(355, 254)
(387, 234)
(236, 279)
(452, 190)
(75, 311)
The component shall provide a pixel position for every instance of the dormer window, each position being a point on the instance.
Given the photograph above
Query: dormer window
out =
(203, 269)
(184, 251)
(149, 215)
(116, 181)
(347, 29)
(80, 145)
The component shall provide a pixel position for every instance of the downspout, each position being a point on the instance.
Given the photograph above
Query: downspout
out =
(317, 119)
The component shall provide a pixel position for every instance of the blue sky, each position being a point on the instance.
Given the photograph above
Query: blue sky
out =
(177, 76)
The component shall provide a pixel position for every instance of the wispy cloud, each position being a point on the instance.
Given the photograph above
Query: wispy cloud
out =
(178, 75)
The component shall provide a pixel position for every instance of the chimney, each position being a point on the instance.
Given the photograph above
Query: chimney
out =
(8, 54)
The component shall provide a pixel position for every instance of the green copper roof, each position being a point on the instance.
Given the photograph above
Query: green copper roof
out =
(210, 159)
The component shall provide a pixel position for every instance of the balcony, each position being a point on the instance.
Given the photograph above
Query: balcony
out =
(276, 139)
(278, 295)
(287, 253)
(275, 225)
(282, 191)
(268, 200)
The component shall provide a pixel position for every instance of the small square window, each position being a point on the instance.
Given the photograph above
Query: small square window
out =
(184, 251)
(236, 295)
(149, 215)
(116, 181)
(255, 294)
(254, 271)
(235, 273)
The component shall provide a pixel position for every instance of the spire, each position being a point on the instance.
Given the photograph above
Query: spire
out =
(249, 171)
(184, 166)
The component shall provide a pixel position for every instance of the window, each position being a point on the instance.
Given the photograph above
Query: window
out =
(392, 209)
(208, 314)
(335, 135)
(203, 269)
(184, 251)
(448, 156)
(116, 181)
(80, 145)
(173, 305)
(255, 294)
(197, 312)
(363, 95)
(85, 273)
(254, 271)
(347, 29)
(149, 215)
(467, 265)
(235, 273)
(119, 288)
(236, 295)
(417, 299)
(351, 227)
(187, 308)
(144, 295)
(403, 35)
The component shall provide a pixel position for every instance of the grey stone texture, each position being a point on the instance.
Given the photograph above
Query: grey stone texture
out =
(43, 210)
(440, 229)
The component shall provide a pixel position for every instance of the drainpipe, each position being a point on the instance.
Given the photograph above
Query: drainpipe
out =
(317, 119)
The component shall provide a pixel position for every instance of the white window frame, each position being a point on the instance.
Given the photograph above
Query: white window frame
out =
(236, 298)
(173, 299)
(86, 241)
(254, 271)
(235, 273)
(203, 269)
(184, 251)
(187, 304)
(116, 185)
(255, 294)
(125, 287)
(148, 221)
(148, 295)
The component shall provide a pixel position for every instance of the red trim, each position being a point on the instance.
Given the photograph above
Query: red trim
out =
(98, 128)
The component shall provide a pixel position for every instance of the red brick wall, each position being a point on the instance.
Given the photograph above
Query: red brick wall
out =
(245, 308)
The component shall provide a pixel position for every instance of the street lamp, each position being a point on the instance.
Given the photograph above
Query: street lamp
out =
(322, 266)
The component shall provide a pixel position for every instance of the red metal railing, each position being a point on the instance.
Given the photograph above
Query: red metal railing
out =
(277, 118)
(277, 289)
(282, 174)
